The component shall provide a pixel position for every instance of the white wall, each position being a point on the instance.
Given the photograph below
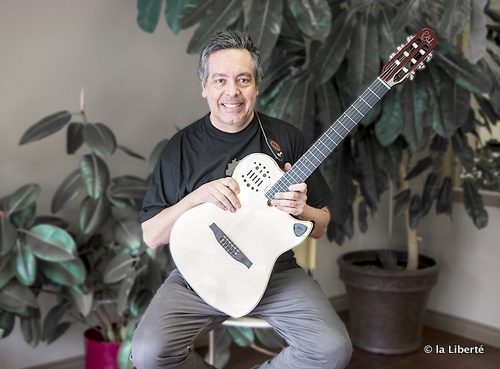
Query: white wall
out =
(142, 86)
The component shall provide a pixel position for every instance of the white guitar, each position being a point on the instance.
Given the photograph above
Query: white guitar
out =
(227, 258)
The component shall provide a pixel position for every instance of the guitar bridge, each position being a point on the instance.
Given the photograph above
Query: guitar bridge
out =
(229, 246)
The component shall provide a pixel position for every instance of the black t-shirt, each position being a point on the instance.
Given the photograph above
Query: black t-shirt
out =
(201, 153)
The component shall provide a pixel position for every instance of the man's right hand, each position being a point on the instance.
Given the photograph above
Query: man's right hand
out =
(221, 192)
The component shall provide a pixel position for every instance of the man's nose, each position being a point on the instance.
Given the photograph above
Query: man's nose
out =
(232, 89)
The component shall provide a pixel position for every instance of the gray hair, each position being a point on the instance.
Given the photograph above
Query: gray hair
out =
(230, 40)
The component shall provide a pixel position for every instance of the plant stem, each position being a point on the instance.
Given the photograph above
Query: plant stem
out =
(411, 234)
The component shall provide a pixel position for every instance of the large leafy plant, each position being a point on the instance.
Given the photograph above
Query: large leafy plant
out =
(99, 269)
(320, 55)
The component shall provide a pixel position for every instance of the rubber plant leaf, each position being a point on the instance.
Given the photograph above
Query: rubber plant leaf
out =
(128, 233)
(314, 17)
(429, 193)
(116, 270)
(82, 299)
(74, 137)
(415, 210)
(8, 236)
(95, 175)
(390, 125)
(17, 298)
(52, 327)
(22, 198)
(25, 263)
(264, 24)
(67, 191)
(242, 336)
(7, 321)
(218, 17)
(50, 243)
(45, 127)
(130, 152)
(181, 14)
(31, 328)
(66, 273)
(456, 15)
(93, 214)
(148, 14)
(100, 139)
(421, 166)
(478, 31)
(401, 202)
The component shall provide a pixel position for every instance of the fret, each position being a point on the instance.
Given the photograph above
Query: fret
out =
(327, 142)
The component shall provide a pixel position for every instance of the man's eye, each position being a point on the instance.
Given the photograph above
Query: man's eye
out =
(244, 80)
(219, 81)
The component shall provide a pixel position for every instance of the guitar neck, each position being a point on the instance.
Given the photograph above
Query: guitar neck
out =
(331, 138)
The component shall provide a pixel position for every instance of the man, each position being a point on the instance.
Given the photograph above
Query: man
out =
(195, 168)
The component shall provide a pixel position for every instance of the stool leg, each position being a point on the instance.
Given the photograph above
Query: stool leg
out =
(211, 348)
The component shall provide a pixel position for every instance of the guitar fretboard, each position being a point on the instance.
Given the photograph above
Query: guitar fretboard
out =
(331, 138)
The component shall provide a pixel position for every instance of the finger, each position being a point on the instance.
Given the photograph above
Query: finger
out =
(287, 167)
(232, 184)
(222, 201)
(230, 195)
(298, 187)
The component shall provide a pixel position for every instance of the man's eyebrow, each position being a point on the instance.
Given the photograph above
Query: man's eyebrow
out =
(225, 75)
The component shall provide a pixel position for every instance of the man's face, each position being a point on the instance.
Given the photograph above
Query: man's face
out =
(230, 90)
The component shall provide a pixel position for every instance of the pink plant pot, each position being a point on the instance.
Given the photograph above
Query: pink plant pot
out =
(100, 354)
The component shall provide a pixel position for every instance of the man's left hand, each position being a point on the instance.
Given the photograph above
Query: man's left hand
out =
(294, 201)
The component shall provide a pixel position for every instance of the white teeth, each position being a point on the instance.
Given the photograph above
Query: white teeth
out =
(231, 105)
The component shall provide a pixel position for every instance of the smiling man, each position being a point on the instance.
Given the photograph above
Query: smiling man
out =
(195, 168)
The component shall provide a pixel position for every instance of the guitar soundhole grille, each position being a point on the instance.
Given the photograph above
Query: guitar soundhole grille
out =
(256, 176)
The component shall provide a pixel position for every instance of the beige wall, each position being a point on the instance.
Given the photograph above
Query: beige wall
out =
(142, 86)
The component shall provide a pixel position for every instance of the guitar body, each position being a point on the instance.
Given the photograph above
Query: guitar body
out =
(202, 240)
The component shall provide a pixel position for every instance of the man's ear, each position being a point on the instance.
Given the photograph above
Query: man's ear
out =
(203, 93)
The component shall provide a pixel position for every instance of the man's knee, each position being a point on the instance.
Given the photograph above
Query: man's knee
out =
(334, 350)
(151, 353)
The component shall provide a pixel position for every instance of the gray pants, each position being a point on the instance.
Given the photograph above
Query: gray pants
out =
(293, 305)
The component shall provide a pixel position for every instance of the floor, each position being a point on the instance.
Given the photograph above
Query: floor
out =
(245, 358)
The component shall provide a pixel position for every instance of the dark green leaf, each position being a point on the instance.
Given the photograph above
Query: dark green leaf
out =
(402, 200)
(31, 328)
(95, 175)
(74, 137)
(415, 211)
(473, 203)
(124, 291)
(219, 16)
(66, 273)
(386, 39)
(23, 219)
(414, 103)
(390, 125)
(454, 101)
(117, 268)
(126, 190)
(93, 214)
(444, 202)
(50, 243)
(421, 166)
(22, 198)
(313, 17)
(455, 17)
(328, 104)
(339, 169)
(148, 14)
(264, 24)
(128, 233)
(7, 263)
(438, 147)
(363, 54)
(16, 298)
(362, 216)
(52, 220)
(463, 151)
(367, 177)
(402, 15)
(46, 127)
(52, 326)
(242, 336)
(131, 153)
(25, 265)
(100, 139)
(7, 321)
(83, 300)
(185, 13)
(67, 191)
(8, 236)
(330, 55)
(430, 193)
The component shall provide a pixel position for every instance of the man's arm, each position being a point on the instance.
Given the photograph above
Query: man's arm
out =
(221, 192)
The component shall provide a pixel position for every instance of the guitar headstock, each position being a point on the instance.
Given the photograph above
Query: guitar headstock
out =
(410, 56)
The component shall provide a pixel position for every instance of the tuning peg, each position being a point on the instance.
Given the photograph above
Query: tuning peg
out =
(428, 58)
(421, 66)
(411, 76)
(392, 56)
(399, 47)
(408, 39)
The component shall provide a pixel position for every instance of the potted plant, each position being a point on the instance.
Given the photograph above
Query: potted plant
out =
(111, 276)
(320, 55)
